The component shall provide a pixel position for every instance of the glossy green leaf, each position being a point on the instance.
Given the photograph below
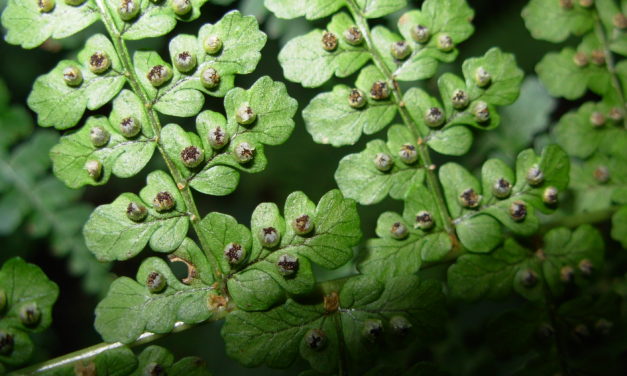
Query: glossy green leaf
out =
(533, 109)
(120, 156)
(576, 133)
(26, 284)
(491, 275)
(564, 248)
(505, 81)
(33, 198)
(617, 38)
(336, 229)
(563, 78)
(252, 288)
(271, 104)
(304, 60)
(358, 177)
(22, 346)
(449, 84)
(274, 110)
(276, 337)
(331, 120)
(421, 64)
(172, 99)
(242, 42)
(251, 336)
(152, 355)
(257, 283)
(480, 233)
(451, 17)
(547, 20)
(592, 192)
(477, 226)
(217, 231)
(216, 180)
(379, 8)
(455, 179)
(418, 103)
(182, 95)
(255, 290)
(599, 80)
(495, 275)
(266, 216)
(29, 27)
(315, 9)
(500, 207)
(130, 308)
(312, 9)
(209, 121)
(301, 284)
(154, 19)
(118, 361)
(554, 164)
(111, 235)
(451, 141)
(61, 106)
(121, 361)
(388, 256)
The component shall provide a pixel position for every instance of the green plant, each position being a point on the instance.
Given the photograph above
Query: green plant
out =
(26, 300)
(34, 199)
(594, 135)
(506, 232)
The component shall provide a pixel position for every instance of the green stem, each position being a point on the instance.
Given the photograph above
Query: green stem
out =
(577, 220)
(611, 67)
(423, 150)
(134, 82)
(90, 352)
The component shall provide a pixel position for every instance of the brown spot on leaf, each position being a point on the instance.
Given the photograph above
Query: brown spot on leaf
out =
(331, 302)
(217, 302)
(379, 90)
(329, 41)
(85, 369)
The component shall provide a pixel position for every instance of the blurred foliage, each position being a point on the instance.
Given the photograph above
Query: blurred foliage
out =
(36, 203)
(467, 350)
(26, 300)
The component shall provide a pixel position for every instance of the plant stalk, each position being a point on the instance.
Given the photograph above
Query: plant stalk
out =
(397, 93)
(90, 352)
(611, 66)
(133, 80)
(572, 221)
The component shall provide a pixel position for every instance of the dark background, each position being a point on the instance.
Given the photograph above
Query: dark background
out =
(299, 164)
